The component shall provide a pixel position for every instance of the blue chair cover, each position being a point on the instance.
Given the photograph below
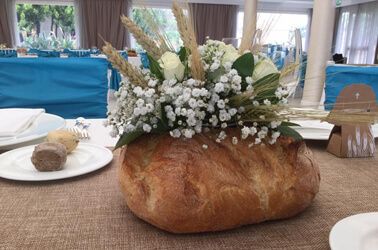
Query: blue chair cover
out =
(8, 53)
(45, 53)
(144, 60)
(338, 77)
(302, 69)
(69, 87)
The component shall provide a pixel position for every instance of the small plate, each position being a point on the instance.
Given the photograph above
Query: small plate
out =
(39, 129)
(16, 164)
(316, 130)
(359, 231)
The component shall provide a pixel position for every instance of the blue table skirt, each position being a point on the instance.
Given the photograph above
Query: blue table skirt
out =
(68, 87)
(338, 77)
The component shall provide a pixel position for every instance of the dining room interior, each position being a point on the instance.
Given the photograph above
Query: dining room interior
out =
(196, 124)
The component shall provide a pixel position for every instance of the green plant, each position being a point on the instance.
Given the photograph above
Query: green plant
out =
(50, 42)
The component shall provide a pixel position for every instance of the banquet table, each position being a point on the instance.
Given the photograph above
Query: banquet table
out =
(89, 212)
(68, 87)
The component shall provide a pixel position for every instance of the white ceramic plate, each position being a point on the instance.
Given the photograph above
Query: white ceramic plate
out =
(316, 130)
(39, 129)
(357, 232)
(16, 164)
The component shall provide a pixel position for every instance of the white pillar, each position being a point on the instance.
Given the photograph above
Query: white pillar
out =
(250, 16)
(319, 51)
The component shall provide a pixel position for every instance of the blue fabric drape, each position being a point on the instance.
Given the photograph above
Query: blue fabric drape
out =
(45, 53)
(338, 77)
(115, 77)
(68, 87)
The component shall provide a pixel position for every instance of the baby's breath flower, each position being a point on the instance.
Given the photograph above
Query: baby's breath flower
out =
(147, 128)
(234, 140)
(245, 132)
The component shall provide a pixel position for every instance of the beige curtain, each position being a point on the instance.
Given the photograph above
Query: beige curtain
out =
(101, 18)
(216, 21)
(357, 32)
(8, 23)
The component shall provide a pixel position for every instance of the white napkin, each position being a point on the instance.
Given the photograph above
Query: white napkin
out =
(15, 121)
(315, 124)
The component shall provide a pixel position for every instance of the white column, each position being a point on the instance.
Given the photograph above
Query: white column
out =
(319, 51)
(250, 16)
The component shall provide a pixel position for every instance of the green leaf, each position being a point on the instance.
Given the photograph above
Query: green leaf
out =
(290, 124)
(244, 65)
(287, 131)
(183, 54)
(127, 138)
(155, 68)
(266, 87)
(214, 76)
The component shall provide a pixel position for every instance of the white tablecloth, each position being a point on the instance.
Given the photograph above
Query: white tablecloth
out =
(98, 133)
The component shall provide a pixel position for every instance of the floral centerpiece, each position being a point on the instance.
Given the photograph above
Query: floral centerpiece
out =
(199, 88)
(203, 130)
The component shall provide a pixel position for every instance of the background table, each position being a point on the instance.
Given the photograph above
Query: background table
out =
(68, 87)
(89, 212)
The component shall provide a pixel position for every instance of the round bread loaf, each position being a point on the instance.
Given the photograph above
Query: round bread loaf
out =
(180, 186)
(49, 156)
(67, 138)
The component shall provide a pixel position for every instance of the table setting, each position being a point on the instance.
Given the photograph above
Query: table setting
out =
(16, 174)
(201, 151)
(25, 128)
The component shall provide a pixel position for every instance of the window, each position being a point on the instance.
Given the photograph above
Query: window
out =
(278, 28)
(166, 21)
(46, 26)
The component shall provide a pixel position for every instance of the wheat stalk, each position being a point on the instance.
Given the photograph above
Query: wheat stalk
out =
(146, 42)
(188, 37)
(126, 68)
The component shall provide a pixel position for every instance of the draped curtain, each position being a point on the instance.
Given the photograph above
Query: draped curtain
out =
(101, 18)
(8, 23)
(216, 21)
(357, 33)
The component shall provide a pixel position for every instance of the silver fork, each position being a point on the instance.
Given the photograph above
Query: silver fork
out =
(81, 133)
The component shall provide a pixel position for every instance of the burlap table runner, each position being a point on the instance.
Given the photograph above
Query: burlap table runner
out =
(88, 212)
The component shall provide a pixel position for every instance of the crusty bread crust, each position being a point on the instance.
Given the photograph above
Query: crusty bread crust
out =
(178, 186)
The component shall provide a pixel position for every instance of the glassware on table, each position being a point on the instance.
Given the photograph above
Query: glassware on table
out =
(233, 41)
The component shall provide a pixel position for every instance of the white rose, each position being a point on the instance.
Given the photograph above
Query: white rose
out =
(230, 55)
(263, 68)
(172, 66)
